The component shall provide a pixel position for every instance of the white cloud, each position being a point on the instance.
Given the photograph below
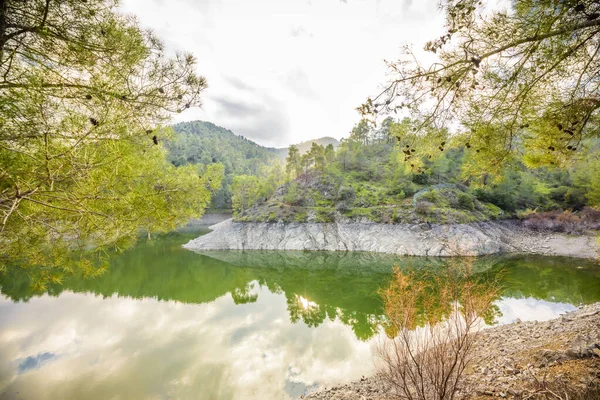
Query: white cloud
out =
(130, 349)
(309, 64)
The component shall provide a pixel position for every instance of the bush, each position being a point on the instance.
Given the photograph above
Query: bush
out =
(465, 201)
(433, 320)
(301, 217)
(343, 207)
(420, 179)
(558, 194)
(566, 221)
(324, 215)
(575, 199)
(431, 196)
(347, 193)
(503, 200)
(424, 207)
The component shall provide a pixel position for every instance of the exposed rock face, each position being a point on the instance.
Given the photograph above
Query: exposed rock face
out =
(473, 239)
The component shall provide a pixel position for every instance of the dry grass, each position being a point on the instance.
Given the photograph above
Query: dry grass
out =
(565, 221)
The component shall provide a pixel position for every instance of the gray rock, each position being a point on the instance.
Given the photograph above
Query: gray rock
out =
(403, 239)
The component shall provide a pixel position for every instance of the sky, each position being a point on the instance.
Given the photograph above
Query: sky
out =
(285, 71)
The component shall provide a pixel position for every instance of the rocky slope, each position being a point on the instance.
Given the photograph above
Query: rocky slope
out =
(472, 239)
(523, 360)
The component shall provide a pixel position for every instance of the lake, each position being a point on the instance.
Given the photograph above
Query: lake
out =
(167, 323)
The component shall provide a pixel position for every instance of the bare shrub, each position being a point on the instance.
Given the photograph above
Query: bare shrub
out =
(564, 221)
(434, 319)
(560, 389)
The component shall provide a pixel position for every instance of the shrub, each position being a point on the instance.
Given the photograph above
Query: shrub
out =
(433, 321)
(566, 221)
(424, 207)
(465, 201)
(347, 193)
(575, 199)
(431, 196)
(272, 217)
(420, 179)
(301, 217)
(558, 194)
(343, 207)
(324, 215)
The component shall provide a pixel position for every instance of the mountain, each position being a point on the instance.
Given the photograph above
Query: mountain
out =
(324, 141)
(202, 142)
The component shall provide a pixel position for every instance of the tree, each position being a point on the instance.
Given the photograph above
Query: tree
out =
(329, 154)
(271, 178)
(317, 155)
(385, 132)
(306, 161)
(83, 93)
(246, 191)
(343, 155)
(361, 132)
(293, 166)
(522, 79)
(593, 194)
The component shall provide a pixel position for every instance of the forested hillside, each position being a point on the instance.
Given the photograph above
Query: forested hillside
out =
(378, 174)
(204, 143)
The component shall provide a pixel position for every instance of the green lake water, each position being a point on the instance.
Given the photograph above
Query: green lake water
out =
(167, 323)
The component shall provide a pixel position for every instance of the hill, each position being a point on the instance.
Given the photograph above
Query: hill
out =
(202, 142)
(378, 175)
(304, 147)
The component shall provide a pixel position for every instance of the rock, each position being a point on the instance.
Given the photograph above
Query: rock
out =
(509, 373)
(403, 239)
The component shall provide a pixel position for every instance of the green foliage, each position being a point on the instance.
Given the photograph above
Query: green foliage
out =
(520, 80)
(293, 167)
(205, 143)
(465, 201)
(593, 194)
(84, 93)
(347, 193)
(291, 194)
(389, 182)
(324, 215)
(430, 196)
(245, 192)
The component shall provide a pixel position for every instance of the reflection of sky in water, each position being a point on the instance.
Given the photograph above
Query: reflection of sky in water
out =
(34, 362)
(125, 349)
(82, 346)
(530, 309)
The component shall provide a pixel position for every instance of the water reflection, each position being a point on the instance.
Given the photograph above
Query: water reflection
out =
(168, 323)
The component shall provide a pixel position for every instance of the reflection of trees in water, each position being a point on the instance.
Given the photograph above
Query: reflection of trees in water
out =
(347, 291)
(244, 295)
(432, 321)
(364, 325)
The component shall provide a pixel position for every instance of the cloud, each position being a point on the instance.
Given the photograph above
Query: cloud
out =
(252, 113)
(238, 109)
(298, 31)
(302, 67)
(167, 349)
(299, 82)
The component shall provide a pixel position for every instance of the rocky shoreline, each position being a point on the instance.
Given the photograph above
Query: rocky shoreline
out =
(473, 239)
(522, 360)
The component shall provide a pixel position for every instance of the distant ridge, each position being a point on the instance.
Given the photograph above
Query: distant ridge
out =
(324, 141)
(210, 141)
(202, 142)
